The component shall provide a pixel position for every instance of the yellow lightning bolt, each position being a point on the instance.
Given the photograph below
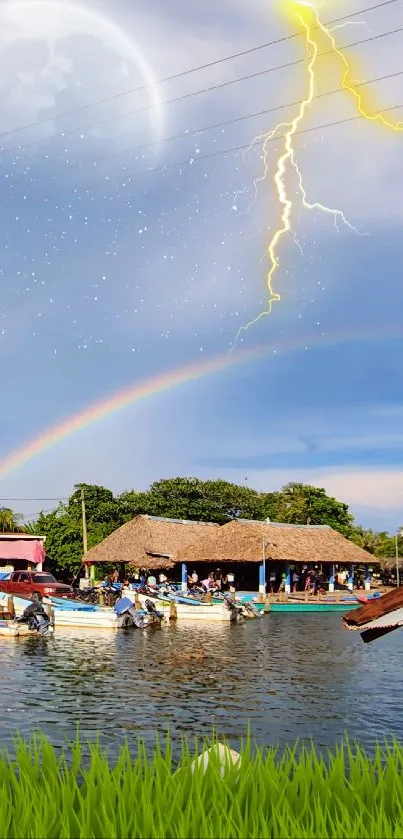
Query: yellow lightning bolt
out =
(289, 130)
(348, 85)
(308, 17)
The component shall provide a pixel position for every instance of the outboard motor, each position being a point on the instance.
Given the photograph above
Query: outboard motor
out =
(36, 619)
(126, 612)
(153, 616)
(250, 610)
(129, 616)
(237, 613)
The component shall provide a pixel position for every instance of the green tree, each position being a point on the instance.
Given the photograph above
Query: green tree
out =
(10, 522)
(104, 513)
(381, 544)
(64, 541)
(304, 504)
(191, 498)
(132, 503)
(63, 527)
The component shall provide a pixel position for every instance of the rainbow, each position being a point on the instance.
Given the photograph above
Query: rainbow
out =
(165, 382)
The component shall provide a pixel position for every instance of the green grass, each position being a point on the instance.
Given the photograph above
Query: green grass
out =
(296, 793)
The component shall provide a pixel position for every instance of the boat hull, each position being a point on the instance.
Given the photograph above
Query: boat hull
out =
(297, 608)
(195, 612)
(12, 629)
(83, 617)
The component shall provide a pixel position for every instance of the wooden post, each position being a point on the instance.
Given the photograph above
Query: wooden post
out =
(173, 612)
(10, 606)
(85, 540)
(101, 598)
(49, 610)
(137, 601)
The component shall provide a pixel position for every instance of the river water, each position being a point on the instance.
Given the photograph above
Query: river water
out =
(284, 676)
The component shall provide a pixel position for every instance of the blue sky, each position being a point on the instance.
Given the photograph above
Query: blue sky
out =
(120, 262)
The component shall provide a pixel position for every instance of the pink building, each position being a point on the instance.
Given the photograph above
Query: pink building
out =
(21, 550)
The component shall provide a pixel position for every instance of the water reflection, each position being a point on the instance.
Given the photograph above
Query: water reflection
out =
(286, 676)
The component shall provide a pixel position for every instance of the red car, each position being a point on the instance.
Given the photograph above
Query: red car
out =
(34, 585)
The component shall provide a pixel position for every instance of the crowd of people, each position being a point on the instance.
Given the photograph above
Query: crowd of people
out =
(311, 580)
(214, 581)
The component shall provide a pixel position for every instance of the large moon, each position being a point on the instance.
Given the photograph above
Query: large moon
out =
(56, 57)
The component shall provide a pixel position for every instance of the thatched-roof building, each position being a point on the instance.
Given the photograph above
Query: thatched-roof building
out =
(149, 542)
(272, 543)
(242, 541)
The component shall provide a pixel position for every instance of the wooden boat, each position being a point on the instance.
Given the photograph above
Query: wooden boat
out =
(70, 612)
(13, 629)
(326, 603)
(194, 610)
(377, 617)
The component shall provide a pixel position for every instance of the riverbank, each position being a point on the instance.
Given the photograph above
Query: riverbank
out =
(262, 793)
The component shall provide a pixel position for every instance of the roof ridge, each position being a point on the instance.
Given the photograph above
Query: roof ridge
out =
(284, 524)
(180, 521)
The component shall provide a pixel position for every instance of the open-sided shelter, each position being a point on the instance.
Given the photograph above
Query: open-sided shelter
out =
(148, 542)
(277, 545)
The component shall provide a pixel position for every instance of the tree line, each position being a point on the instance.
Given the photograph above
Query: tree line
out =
(186, 498)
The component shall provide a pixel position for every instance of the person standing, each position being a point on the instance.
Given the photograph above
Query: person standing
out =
(193, 579)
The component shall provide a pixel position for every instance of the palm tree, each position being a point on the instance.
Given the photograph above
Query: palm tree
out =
(10, 522)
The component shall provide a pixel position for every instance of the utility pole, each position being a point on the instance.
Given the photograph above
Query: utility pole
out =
(399, 533)
(85, 544)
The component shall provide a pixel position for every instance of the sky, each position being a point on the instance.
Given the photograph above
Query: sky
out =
(133, 242)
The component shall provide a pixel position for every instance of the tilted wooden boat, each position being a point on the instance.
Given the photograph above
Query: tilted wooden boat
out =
(377, 617)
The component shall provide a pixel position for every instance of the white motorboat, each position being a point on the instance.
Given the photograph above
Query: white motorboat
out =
(196, 611)
(69, 612)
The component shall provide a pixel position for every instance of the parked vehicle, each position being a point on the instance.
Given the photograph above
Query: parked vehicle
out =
(35, 585)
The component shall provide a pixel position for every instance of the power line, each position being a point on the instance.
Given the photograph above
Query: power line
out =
(220, 85)
(192, 94)
(246, 146)
(30, 517)
(35, 499)
(234, 149)
(243, 118)
(234, 121)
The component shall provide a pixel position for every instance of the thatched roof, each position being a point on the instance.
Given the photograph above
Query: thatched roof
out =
(242, 541)
(148, 542)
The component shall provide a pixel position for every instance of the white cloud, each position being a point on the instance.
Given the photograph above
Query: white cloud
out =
(365, 487)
